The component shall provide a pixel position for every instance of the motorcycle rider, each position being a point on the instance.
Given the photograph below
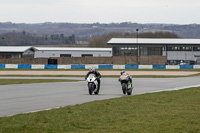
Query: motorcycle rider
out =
(96, 73)
(124, 73)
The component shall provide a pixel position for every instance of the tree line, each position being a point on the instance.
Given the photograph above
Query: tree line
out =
(101, 41)
(27, 39)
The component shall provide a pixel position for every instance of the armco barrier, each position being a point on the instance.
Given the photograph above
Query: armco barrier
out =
(37, 66)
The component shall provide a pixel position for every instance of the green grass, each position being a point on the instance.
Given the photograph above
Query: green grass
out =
(26, 81)
(112, 76)
(163, 112)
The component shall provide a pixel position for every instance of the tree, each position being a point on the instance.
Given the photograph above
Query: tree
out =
(101, 41)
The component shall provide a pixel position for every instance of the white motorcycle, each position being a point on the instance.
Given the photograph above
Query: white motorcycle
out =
(92, 84)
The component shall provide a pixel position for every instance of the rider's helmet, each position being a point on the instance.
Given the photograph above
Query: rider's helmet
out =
(122, 72)
(92, 69)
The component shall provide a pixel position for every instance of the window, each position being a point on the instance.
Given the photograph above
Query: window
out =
(84, 55)
(196, 48)
(179, 48)
(115, 51)
(125, 51)
(65, 55)
(153, 51)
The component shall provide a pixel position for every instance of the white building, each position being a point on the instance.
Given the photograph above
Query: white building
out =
(46, 52)
(16, 52)
(176, 50)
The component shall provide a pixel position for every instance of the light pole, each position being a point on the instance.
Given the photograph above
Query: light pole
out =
(137, 34)
(137, 46)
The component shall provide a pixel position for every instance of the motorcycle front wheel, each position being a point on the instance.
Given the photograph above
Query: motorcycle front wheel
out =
(124, 88)
(90, 88)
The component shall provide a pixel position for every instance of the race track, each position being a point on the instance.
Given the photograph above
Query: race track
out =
(22, 98)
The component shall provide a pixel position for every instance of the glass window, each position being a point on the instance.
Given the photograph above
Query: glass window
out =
(134, 51)
(143, 51)
(115, 51)
(196, 48)
(121, 51)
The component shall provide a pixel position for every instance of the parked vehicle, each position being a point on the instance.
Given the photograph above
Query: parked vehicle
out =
(92, 84)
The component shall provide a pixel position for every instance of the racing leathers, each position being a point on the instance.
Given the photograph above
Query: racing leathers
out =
(129, 77)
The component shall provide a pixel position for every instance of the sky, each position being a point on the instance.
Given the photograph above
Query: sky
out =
(101, 11)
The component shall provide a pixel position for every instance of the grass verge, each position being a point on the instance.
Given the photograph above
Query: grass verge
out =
(26, 81)
(112, 76)
(168, 112)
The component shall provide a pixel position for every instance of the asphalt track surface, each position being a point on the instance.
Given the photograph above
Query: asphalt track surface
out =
(23, 98)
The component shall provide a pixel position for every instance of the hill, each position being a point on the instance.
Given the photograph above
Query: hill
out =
(85, 32)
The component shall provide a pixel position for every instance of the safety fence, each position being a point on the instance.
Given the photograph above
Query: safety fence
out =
(37, 66)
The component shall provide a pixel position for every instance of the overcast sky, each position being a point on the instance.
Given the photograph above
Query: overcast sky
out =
(102, 11)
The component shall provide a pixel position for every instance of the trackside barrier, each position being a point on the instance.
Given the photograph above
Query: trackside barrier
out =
(196, 66)
(77, 66)
(186, 66)
(22, 66)
(14, 66)
(118, 66)
(37, 66)
(105, 66)
(40, 66)
(2, 66)
(131, 66)
(50, 66)
(159, 66)
(145, 67)
(91, 66)
(172, 67)
(64, 66)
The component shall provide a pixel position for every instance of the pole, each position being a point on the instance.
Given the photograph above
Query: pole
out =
(137, 35)
(137, 46)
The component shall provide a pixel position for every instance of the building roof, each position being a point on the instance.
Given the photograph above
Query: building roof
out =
(160, 41)
(17, 49)
(71, 49)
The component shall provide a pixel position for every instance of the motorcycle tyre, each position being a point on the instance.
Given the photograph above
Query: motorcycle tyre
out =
(129, 92)
(90, 89)
(124, 88)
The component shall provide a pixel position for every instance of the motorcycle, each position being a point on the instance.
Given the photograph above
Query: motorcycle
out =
(92, 84)
(126, 84)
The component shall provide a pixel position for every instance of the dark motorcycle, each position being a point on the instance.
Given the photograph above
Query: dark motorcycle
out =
(126, 84)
